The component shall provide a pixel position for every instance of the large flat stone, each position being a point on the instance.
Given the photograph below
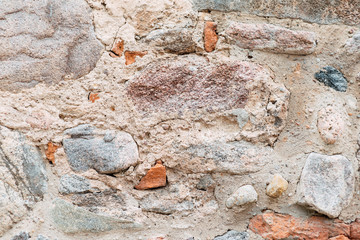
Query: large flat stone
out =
(272, 38)
(71, 219)
(23, 178)
(43, 41)
(191, 85)
(326, 184)
(106, 152)
(324, 12)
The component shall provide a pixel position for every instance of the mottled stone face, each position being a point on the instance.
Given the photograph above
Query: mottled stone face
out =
(44, 41)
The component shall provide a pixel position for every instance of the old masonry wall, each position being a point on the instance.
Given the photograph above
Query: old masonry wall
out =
(179, 119)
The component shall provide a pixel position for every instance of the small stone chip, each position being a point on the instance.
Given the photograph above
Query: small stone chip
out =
(333, 78)
(244, 195)
(277, 186)
(155, 177)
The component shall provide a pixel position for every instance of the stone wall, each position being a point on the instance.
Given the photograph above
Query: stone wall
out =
(179, 119)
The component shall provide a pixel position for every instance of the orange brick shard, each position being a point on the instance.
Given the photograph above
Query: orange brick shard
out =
(50, 152)
(155, 177)
(210, 36)
(130, 56)
(117, 49)
(93, 97)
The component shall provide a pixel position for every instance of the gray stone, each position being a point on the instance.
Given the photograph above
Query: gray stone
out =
(41, 237)
(205, 182)
(333, 78)
(71, 219)
(100, 151)
(166, 207)
(242, 116)
(324, 12)
(73, 184)
(21, 236)
(232, 157)
(326, 184)
(23, 178)
(353, 44)
(44, 41)
(177, 40)
(244, 195)
(271, 38)
(233, 235)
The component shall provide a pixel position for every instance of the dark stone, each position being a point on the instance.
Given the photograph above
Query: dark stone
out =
(21, 236)
(233, 235)
(333, 78)
(324, 12)
(73, 184)
(205, 182)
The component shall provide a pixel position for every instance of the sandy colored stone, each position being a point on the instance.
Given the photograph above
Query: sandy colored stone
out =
(277, 186)
(268, 37)
(273, 226)
(130, 56)
(154, 178)
(331, 125)
(244, 195)
(210, 36)
(50, 152)
(340, 237)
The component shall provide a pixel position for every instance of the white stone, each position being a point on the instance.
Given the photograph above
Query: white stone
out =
(244, 195)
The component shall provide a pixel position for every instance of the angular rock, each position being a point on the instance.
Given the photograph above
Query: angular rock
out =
(326, 184)
(205, 183)
(210, 36)
(44, 41)
(23, 178)
(244, 195)
(277, 186)
(331, 125)
(231, 157)
(71, 219)
(166, 207)
(154, 178)
(106, 152)
(21, 236)
(73, 184)
(275, 226)
(233, 235)
(177, 40)
(324, 12)
(209, 87)
(355, 229)
(271, 38)
(333, 78)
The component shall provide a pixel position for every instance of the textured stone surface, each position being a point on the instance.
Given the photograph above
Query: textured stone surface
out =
(154, 178)
(232, 157)
(355, 229)
(166, 207)
(44, 41)
(275, 226)
(210, 36)
(205, 183)
(73, 184)
(71, 219)
(179, 40)
(326, 184)
(107, 152)
(271, 38)
(333, 78)
(244, 195)
(23, 178)
(331, 125)
(308, 10)
(21, 236)
(233, 235)
(277, 186)
(340, 237)
(209, 87)
(353, 44)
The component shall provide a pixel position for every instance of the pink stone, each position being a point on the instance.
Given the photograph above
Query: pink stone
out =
(272, 38)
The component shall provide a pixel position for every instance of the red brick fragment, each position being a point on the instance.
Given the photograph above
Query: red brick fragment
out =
(340, 237)
(117, 49)
(274, 226)
(355, 229)
(210, 36)
(50, 152)
(131, 55)
(155, 177)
